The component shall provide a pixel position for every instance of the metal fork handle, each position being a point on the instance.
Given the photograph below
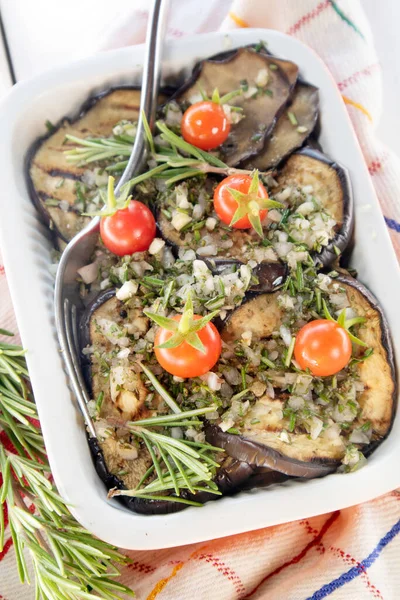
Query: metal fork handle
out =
(84, 242)
(150, 88)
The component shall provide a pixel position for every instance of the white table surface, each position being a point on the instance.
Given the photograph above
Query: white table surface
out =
(46, 33)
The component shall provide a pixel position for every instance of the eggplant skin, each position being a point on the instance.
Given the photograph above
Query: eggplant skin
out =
(310, 166)
(232, 475)
(231, 478)
(263, 477)
(260, 455)
(271, 276)
(91, 308)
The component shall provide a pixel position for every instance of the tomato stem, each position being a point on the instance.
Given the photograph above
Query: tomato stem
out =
(111, 199)
(250, 204)
(216, 98)
(184, 330)
(346, 324)
(185, 322)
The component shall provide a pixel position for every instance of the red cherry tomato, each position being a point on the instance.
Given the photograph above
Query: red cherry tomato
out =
(225, 205)
(129, 230)
(184, 360)
(322, 346)
(204, 125)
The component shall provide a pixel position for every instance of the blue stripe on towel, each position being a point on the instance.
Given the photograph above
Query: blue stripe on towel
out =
(392, 224)
(354, 572)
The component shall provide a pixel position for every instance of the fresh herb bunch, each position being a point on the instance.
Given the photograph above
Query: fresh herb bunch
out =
(67, 562)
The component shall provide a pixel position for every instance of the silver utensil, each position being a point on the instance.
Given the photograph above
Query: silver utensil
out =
(67, 301)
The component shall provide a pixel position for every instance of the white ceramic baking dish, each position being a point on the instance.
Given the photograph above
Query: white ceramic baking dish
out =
(26, 252)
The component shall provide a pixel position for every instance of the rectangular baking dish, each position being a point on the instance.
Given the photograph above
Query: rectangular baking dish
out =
(26, 248)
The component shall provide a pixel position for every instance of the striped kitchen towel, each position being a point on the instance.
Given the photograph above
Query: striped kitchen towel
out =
(349, 554)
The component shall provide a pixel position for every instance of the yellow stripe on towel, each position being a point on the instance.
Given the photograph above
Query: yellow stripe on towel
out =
(358, 106)
(237, 20)
(160, 585)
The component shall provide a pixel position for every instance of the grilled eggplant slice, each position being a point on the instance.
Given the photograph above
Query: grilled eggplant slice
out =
(261, 110)
(307, 168)
(52, 180)
(331, 186)
(270, 274)
(259, 441)
(113, 465)
(286, 137)
(378, 373)
(109, 462)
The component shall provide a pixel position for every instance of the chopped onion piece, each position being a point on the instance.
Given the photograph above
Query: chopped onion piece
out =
(262, 78)
(211, 223)
(250, 92)
(284, 436)
(232, 375)
(181, 194)
(176, 433)
(212, 380)
(179, 220)
(210, 250)
(88, 273)
(306, 208)
(156, 246)
(359, 437)
(173, 115)
(127, 452)
(316, 426)
(283, 195)
(285, 335)
(128, 290)
(296, 402)
(113, 332)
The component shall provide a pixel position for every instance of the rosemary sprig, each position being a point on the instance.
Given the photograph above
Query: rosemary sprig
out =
(179, 464)
(67, 561)
(176, 160)
(89, 150)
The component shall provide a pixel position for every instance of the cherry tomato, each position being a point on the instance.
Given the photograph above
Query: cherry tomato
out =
(225, 205)
(322, 346)
(128, 230)
(184, 360)
(204, 125)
